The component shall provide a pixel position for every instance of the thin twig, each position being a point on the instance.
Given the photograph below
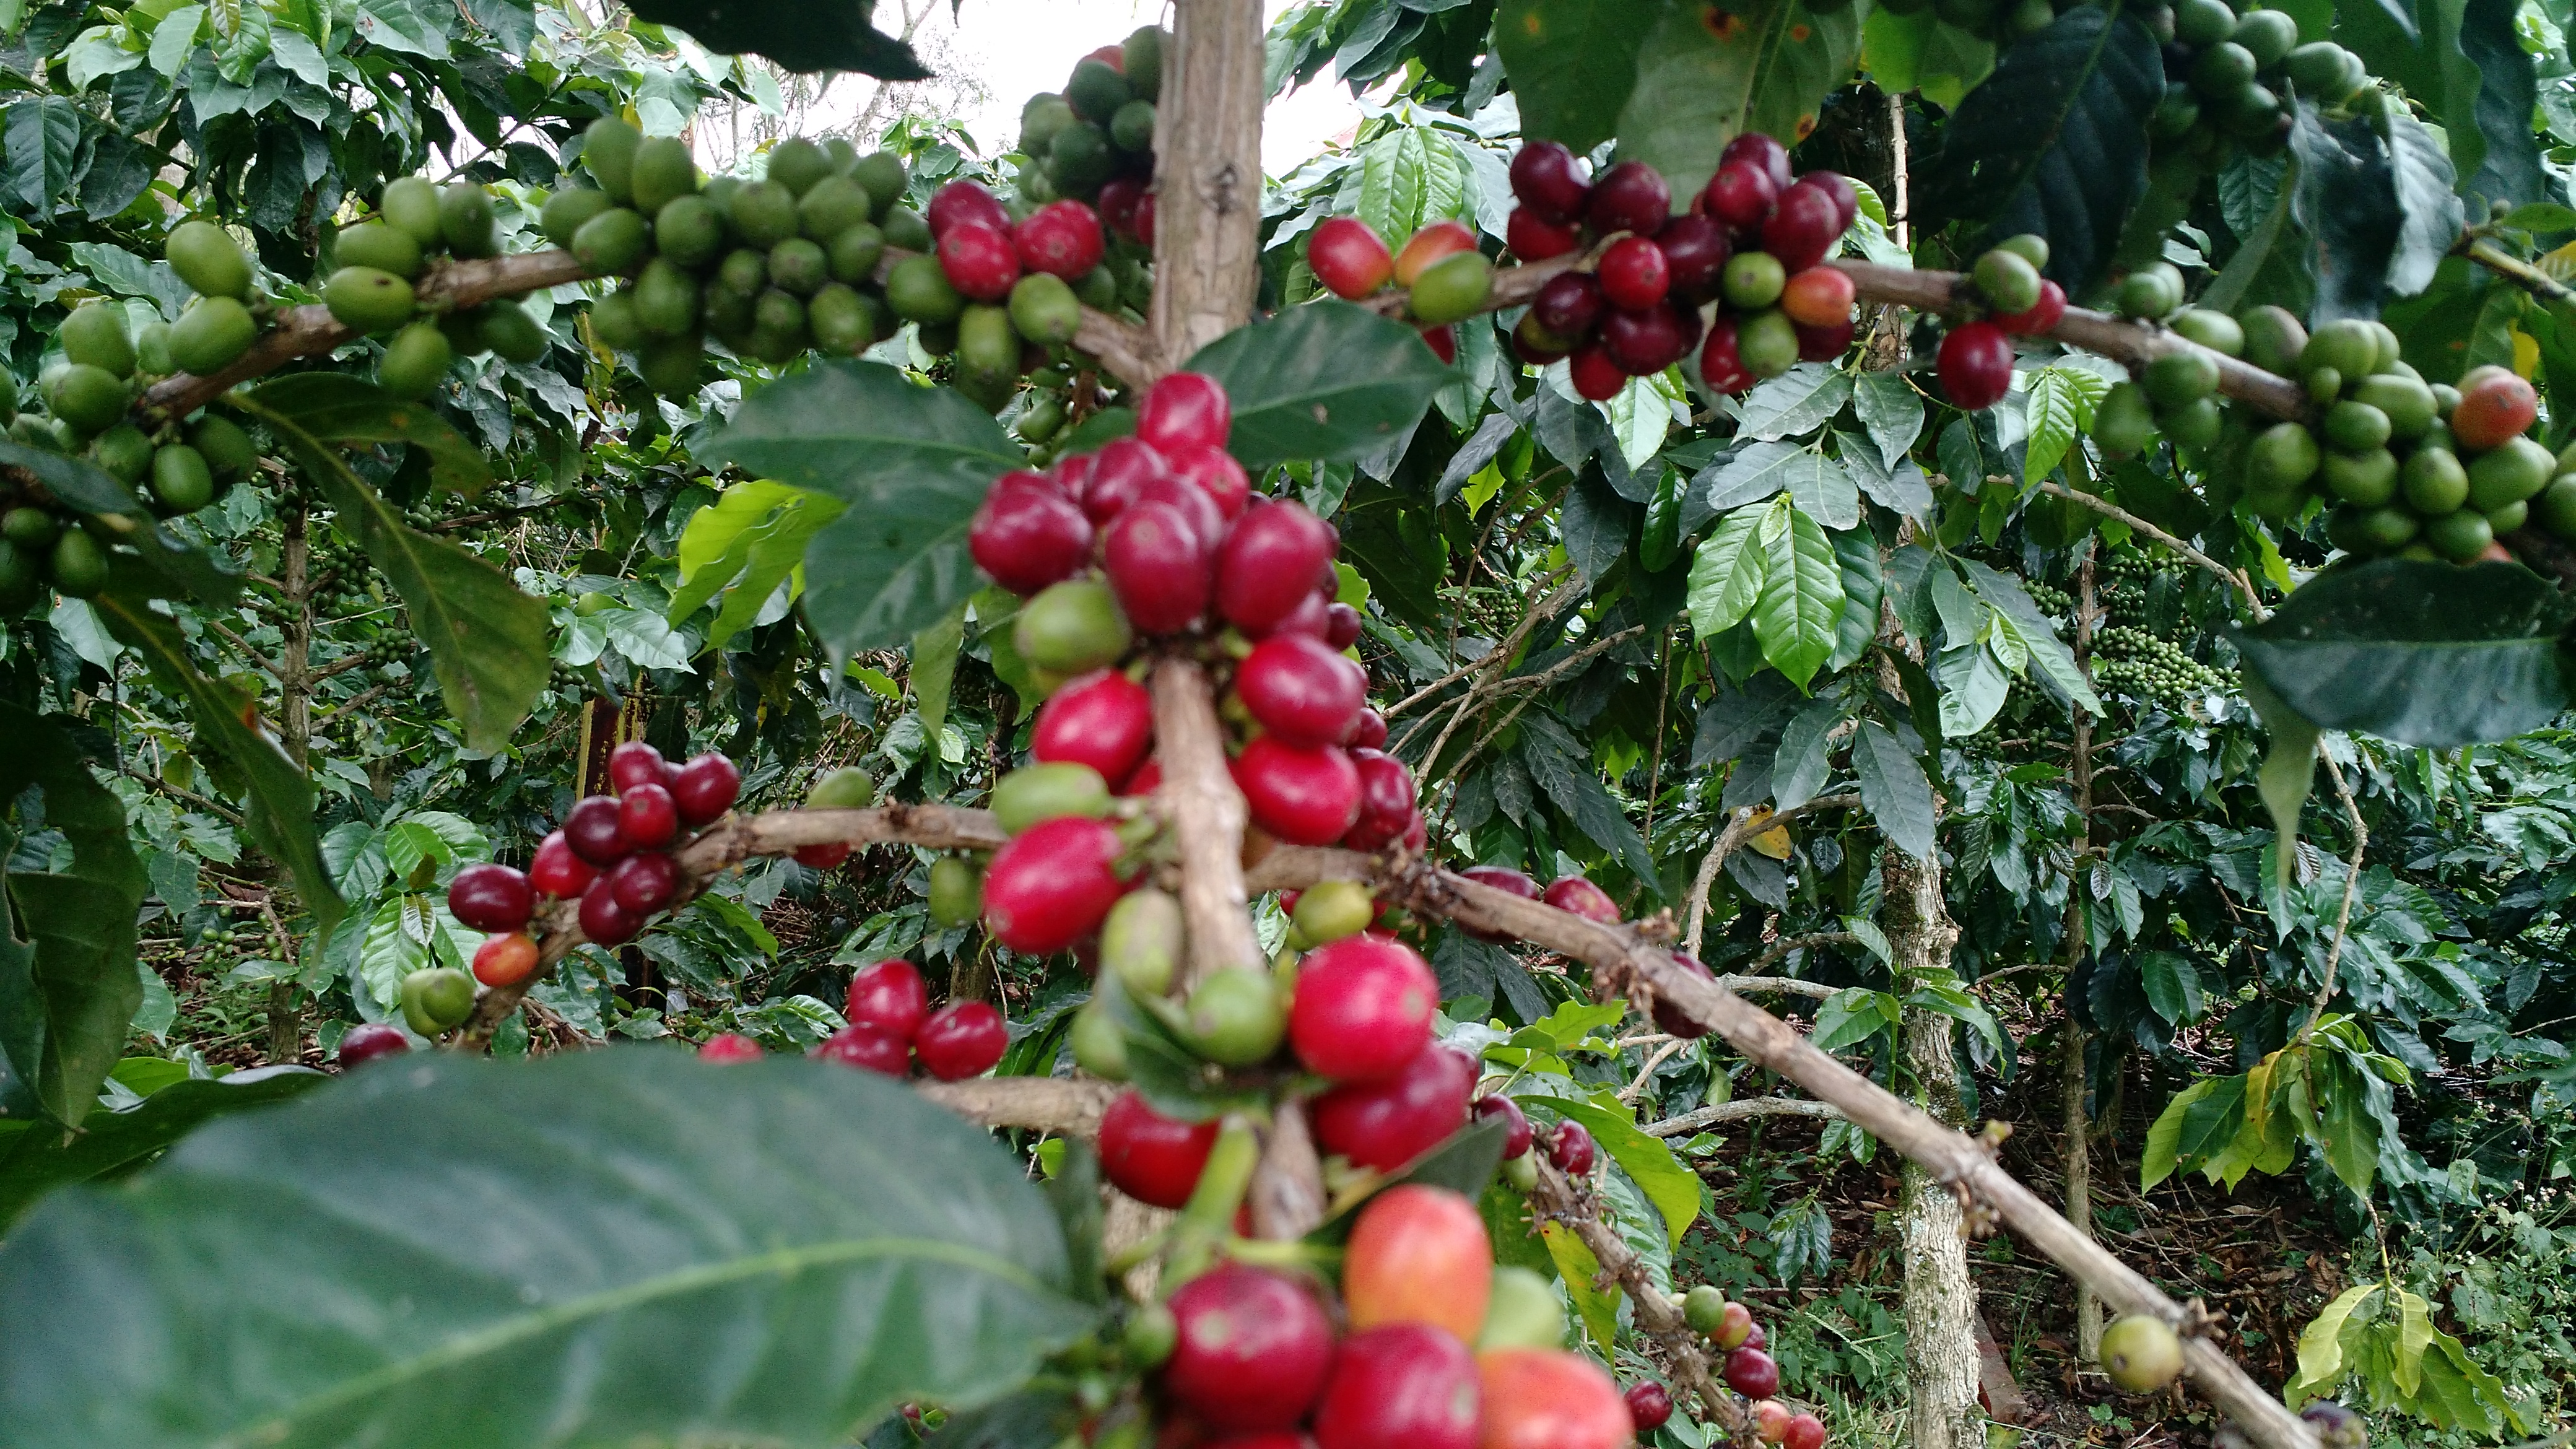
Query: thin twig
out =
(1699, 1118)
(2351, 883)
(2232, 578)
(1741, 828)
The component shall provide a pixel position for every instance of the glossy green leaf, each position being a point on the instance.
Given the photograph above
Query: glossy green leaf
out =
(1325, 382)
(338, 407)
(1891, 411)
(1802, 764)
(1572, 64)
(1562, 767)
(2061, 407)
(40, 1158)
(2429, 210)
(1728, 574)
(1795, 403)
(2345, 207)
(2321, 1344)
(744, 545)
(1799, 613)
(622, 1246)
(1595, 1306)
(1923, 52)
(42, 146)
(1706, 74)
(1409, 178)
(1893, 789)
(1597, 526)
(934, 668)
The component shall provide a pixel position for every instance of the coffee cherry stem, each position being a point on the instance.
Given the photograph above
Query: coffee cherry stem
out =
(1208, 1217)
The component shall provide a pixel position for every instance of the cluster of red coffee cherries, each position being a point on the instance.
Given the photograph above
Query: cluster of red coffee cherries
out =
(1753, 243)
(984, 253)
(890, 1025)
(615, 854)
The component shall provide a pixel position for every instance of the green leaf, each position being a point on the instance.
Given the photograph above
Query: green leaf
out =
(1728, 573)
(1893, 789)
(2163, 1151)
(2456, 1394)
(1581, 1271)
(2429, 210)
(1596, 524)
(1795, 403)
(1562, 766)
(2029, 629)
(2420, 653)
(42, 138)
(621, 1246)
(2321, 1348)
(2348, 1131)
(281, 817)
(1572, 64)
(67, 985)
(934, 667)
(1707, 73)
(488, 642)
(1890, 410)
(2346, 208)
(2054, 142)
(1326, 382)
(1851, 1016)
(1800, 767)
(1410, 177)
(2172, 985)
(39, 1160)
(338, 407)
(2288, 773)
(830, 35)
(2061, 406)
(1923, 52)
(1798, 615)
(911, 463)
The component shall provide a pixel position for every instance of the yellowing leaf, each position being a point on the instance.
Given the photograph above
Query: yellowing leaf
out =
(1773, 842)
(2526, 354)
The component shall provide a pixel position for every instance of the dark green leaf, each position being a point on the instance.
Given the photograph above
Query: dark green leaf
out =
(2054, 142)
(825, 35)
(1707, 73)
(41, 1159)
(1738, 719)
(42, 138)
(1893, 789)
(189, 568)
(1472, 455)
(1795, 403)
(1597, 525)
(1328, 382)
(2429, 209)
(1562, 766)
(1572, 64)
(2420, 653)
(620, 1246)
(2347, 211)
(337, 407)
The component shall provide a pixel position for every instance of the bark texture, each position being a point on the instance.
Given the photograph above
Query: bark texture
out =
(1940, 1303)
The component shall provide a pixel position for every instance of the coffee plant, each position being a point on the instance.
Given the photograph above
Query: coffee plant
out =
(1036, 692)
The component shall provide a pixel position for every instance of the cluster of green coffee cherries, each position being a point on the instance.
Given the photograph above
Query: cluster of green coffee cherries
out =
(1099, 129)
(2144, 666)
(2227, 76)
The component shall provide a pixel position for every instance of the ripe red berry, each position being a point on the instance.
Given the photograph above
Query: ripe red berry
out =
(960, 1040)
(1721, 367)
(557, 871)
(1070, 475)
(1143, 221)
(1061, 239)
(1839, 187)
(825, 856)
(890, 995)
(1572, 1149)
(1805, 1431)
(1443, 342)
(1206, 520)
(1051, 885)
(1595, 374)
(1147, 779)
(1695, 253)
(1548, 179)
(1534, 238)
(729, 1047)
(1150, 1157)
(1387, 798)
(1803, 228)
(1583, 898)
(1630, 196)
(979, 261)
(1818, 297)
(1386, 1124)
(1252, 1350)
(967, 203)
(1569, 305)
(1362, 1009)
(1118, 201)
(1646, 342)
(495, 897)
(591, 828)
(634, 763)
(505, 960)
(1823, 344)
(1439, 240)
(1302, 795)
(369, 1040)
(603, 920)
(1545, 1398)
(1976, 364)
(1102, 719)
(1349, 258)
(648, 816)
(1185, 409)
(1341, 631)
(1649, 1405)
(1740, 196)
(1758, 149)
(1633, 274)
(706, 788)
(1213, 470)
(1117, 471)
(868, 1048)
(1417, 835)
(1269, 564)
(1400, 1386)
(1671, 1019)
(1755, 1336)
(2043, 316)
(1770, 1419)
(1158, 568)
(644, 882)
(1517, 1133)
(1300, 690)
(1028, 537)
(1752, 1373)
(1502, 878)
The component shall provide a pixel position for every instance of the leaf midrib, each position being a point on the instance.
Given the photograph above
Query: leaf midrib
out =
(465, 1348)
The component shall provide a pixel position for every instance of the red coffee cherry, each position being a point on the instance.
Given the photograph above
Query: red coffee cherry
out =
(505, 960)
(1051, 885)
(979, 261)
(1102, 719)
(964, 202)
(1760, 150)
(1061, 239)
(1839, 187)
(603, 920)
(1695, 254)
(1721, 367)
(1252, 1351)
(1630, 196)
(1213, 470)
(1206, 520)
(1386, 1124)
(635, 763)
(706, 788)
(1144, 219)
(1348, 258)
(1183, 410)
(1976, 364)
(1027, 536)
(648, 816)
(1647, 342)
(1310, 619)
(1534, 238)
(888, 994)
(1671, 1019)
(1752, 1373)
(1362, 1009)
(868, 1048)
(1304, 795)
(1269, 563)
(1740, 196)
(1548, 179)
(1400, 1386)
(1387, 798)
(1803, 227)
(1755, 1337)
(960, 1040)
(1583, 898)
(644, 882)
(1117, 471)
(1147, 779)
(827, 856)
(591, 827)
(1818, 297)
(1823, 344)
(495, 897)
(1501, 878)
(1117, 202)
(1301, 690)
(1572, 1149)
(1158, 567)
(1545, 1398)
(1770, 1420)
(1535, 345)
(1517, 1132)
(1150, 1157)
(1649, 1405)
(1070, 474)
(1341, 631)
(1443, 342)
(1595, 374)
(1417, 835)
(1439, 240)
(369, 1040)
(1805, 1431)
(1569, 305)
(729, 1047)
(1633, 274)
(557, 871)
(2043, 316)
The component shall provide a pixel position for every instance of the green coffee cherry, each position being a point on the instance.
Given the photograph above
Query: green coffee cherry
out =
(846, 788)
(798, 265)
(2216, 331)
(2125, 422)
(415, 362)
(2008, 279)
(1333, 909)
(1035, 794)
(123, 451)
(614, 323)
(2356, 427)
(797, 164)
(689, 231)
(226, 448)
(90, 399)
(569, 207)
(465, 219)
(2511, 473)
(2434, 481)
(666, 299)
(840, 321)
(436, 999)
(1098, 1046)
(662, 172)
(1235, 1018)
(2195, 424)
(2364, 479)
(2177, 379)
(381, 245)
(956, 890)
(2461, 536)
(611, 243)
(207, 258)
(1141, 941)
(364, 299)
(1072, 627)
(95, 335)
(831, 206)
(2284, 456)
(512, 332)
(883, 175)
(608, 153)
(181, 481)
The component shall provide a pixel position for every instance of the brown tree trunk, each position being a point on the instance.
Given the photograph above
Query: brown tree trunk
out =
(2073, 1124)
(1207, 176)
(1940, 1302)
